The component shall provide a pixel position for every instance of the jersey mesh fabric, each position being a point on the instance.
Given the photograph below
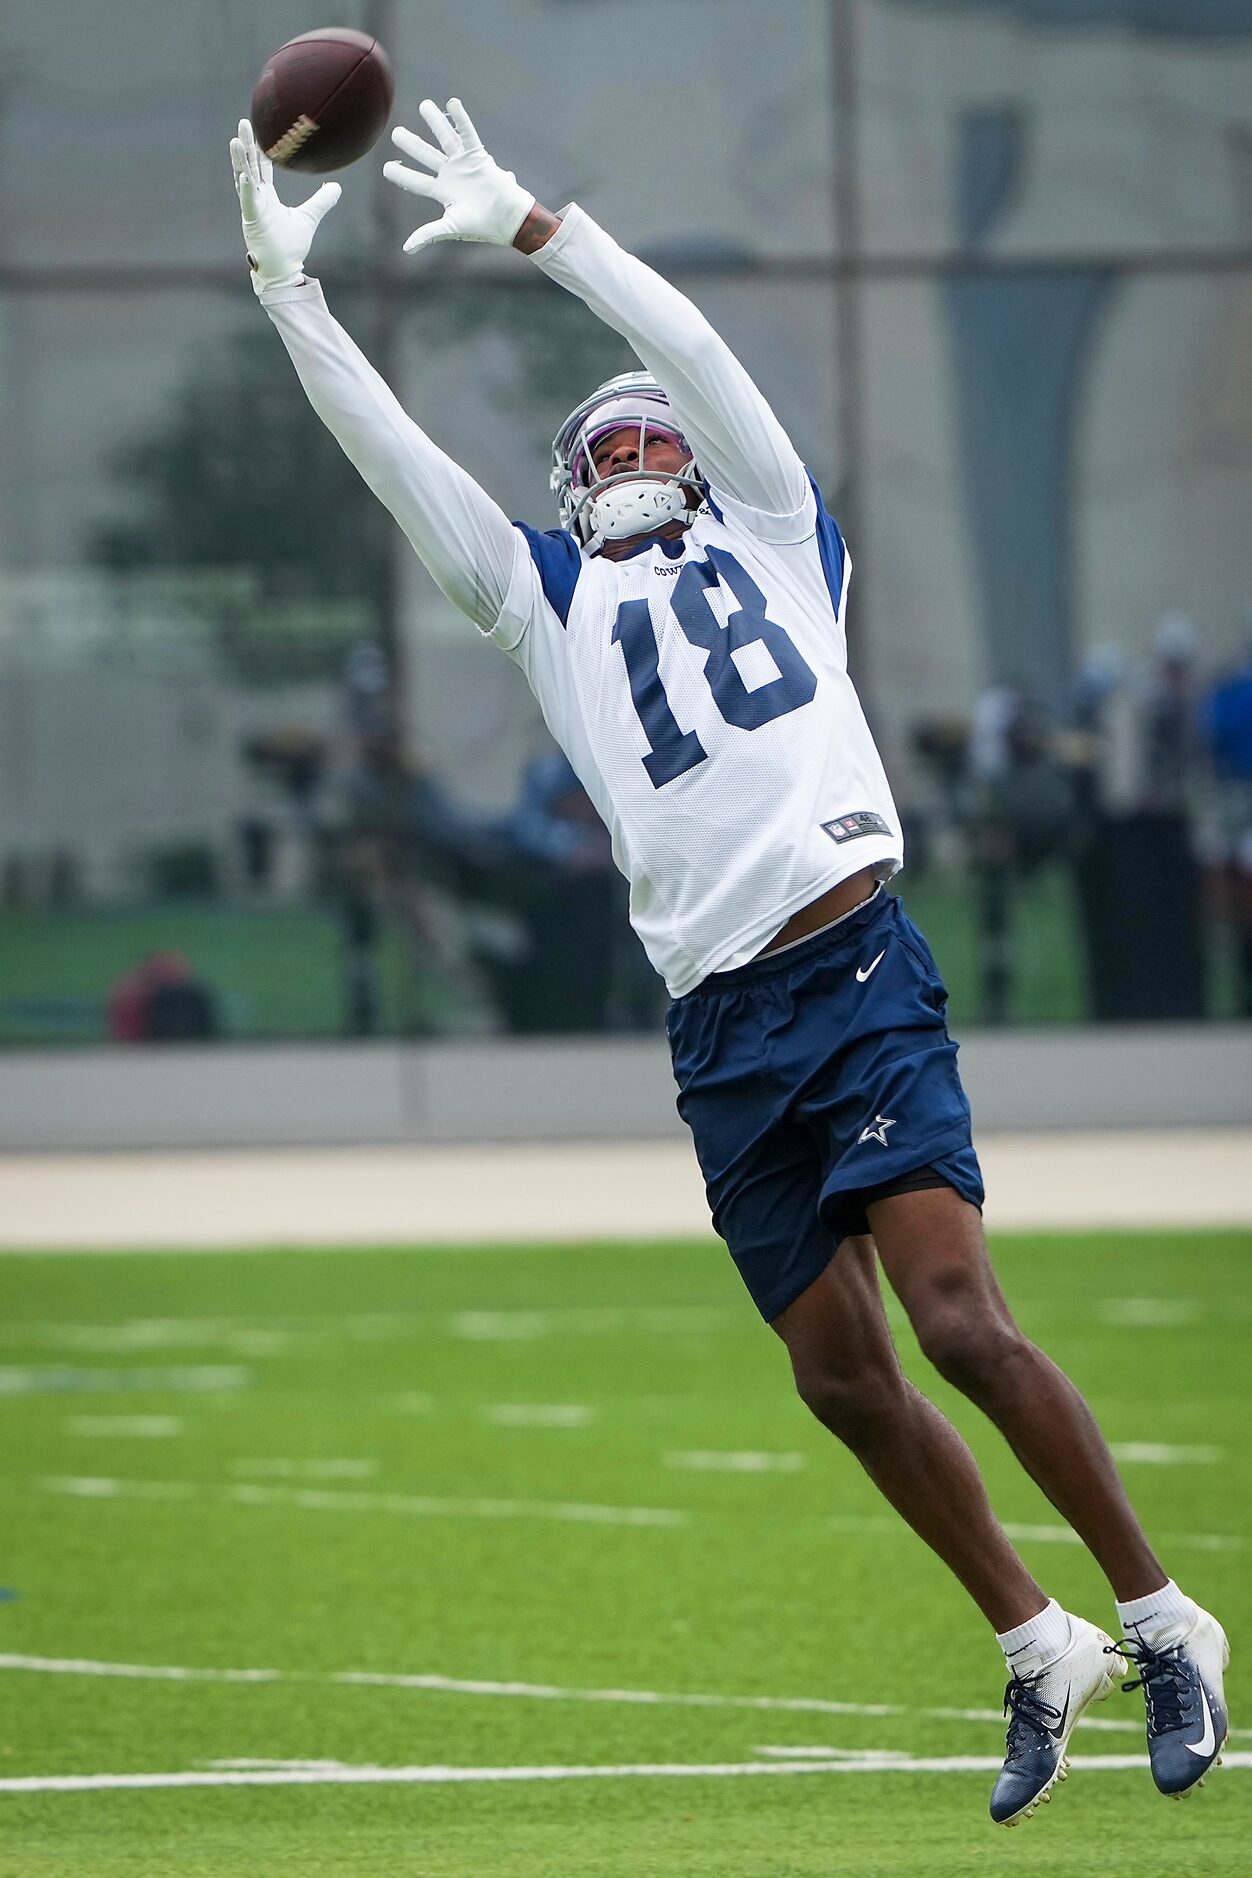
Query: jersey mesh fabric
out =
(719, 849)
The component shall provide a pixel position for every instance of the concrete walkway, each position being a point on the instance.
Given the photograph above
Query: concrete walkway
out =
(373, 1196)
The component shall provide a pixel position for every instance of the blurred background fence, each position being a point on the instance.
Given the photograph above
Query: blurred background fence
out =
(991, 261)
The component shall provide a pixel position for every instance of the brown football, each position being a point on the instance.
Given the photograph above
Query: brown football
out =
(323, 99)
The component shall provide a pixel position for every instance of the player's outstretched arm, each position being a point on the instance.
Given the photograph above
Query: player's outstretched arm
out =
(463, 538)
(739, 443)
(741, 448)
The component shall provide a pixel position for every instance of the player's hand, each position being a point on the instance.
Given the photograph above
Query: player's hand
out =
(481, 202)
(278, 238)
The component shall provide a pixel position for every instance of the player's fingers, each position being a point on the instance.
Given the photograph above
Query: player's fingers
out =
(238, 161)
(260, 169)
(429, 234)
(415, 181)
(470, 139)
(445, 135)
(260, 165)
(245, 189)
(322, 199)
(418, 148)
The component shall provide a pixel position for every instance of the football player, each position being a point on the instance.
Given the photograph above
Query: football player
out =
(683, 632)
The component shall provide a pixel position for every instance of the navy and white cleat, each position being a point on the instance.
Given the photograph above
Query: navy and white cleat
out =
(1181, 1679)
(1042, 1710)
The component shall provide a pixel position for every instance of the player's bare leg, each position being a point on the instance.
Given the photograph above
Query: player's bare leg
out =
(932, 1248)
(848, 1374)
(934, 1254)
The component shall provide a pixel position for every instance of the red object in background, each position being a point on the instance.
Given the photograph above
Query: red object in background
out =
(160, 1000)
(131, 994)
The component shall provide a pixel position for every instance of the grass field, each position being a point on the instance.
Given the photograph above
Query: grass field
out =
(569, 1496)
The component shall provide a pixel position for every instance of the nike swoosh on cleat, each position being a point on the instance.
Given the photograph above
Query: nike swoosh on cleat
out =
(1058, 1732)
(861, 976)
(1208, 1739)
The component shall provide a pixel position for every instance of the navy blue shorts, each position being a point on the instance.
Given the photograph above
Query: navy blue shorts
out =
(812, 1076)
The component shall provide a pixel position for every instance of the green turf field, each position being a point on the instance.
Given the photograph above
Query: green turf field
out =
(581, 1473)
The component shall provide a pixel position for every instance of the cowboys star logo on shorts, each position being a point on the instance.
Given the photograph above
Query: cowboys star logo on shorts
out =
(877, 1130)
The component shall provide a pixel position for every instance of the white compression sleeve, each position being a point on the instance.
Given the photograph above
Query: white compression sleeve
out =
(463, 538)
(739, 444)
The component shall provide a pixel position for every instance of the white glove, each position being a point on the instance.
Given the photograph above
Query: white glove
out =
(481, 202)
(278, 238)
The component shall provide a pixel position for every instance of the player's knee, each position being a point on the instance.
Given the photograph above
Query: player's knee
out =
(857, 1407)
(969, 1348)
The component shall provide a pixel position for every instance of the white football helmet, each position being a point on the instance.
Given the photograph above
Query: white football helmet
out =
(628, 502)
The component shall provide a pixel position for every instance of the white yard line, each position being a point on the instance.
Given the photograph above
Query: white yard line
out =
(1150, 1313)
(524, 1326)
(278, 1468)
(534, 1691)
(804, 1754)
(330, 1500)
(147, 1672)
(1164, 1454)
(567, 1191)
(734, 1461)
(431, 1506)
(164, 1333)
(889, 1525)
(126, 1427)
(312, 1775)
(63, 1379)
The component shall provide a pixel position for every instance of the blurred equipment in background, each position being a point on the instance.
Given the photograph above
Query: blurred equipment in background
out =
(1172, 746)
(1138, 881)
(555, 875)
(522, 911)
(558, 955)
(1022, 818)
(376, 860)
(278, 841)
(1226, 722)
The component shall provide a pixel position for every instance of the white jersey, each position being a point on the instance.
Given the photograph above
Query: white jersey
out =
(700, 691)
(698, 686)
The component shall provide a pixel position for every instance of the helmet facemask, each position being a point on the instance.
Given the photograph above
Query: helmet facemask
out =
(629, 501)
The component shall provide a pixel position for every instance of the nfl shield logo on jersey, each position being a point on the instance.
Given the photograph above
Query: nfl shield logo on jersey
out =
(848, 827)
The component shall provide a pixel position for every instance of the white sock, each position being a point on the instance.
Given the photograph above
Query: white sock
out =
(1162, 1612)
(1033, 1645)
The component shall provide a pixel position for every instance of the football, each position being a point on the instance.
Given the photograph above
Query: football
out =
(323, 99)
